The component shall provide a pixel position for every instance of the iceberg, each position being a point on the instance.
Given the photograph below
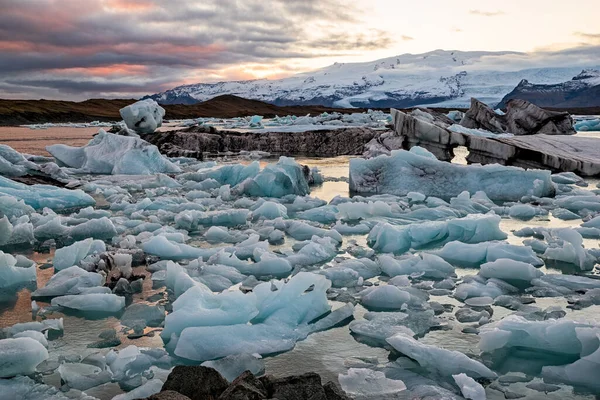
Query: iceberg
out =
(144, 116)
(418, 170)
(112, 154)
(20, 356)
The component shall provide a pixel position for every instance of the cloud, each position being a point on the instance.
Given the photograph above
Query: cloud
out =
(486, 13)
(589, 37)
(96, 46)
(407, 38)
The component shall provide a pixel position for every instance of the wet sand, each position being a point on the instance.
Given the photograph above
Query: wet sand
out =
(34, 141)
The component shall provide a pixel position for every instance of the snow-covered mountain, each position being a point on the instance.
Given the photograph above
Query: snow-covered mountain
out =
(581, 91)
(442, 78)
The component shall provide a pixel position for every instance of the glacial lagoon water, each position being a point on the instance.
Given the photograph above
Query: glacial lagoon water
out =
(328, 353)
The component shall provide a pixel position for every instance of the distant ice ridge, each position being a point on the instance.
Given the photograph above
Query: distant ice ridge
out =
(418, 170)
(93, 124)
(110, 154)
(587, 125)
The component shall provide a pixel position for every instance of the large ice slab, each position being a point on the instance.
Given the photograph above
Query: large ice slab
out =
(418, 170)
(362, 383)
(112, 154)
(144, 116)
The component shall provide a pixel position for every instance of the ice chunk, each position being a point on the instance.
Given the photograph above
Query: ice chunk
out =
(270, 210)
(110, 154)
(566, 245)
(24, 388)
(473, 255)
(388, 238)
(280, 314)
(149, 388)
(552, 336)
(14, 273)
(69, 281)
(469, 388)
(444, 362)
(525, 211)
(233, 366)
(83, 376)
(42, 196)
(35, 335)
(379, 326)
(429, 265)
(385, 297)
(418, 170)
(69, 256)
(511, 271)
(362, 383)
(20, 356)
(98, 302)
(144, 116)
(277, 180)
(582, 372)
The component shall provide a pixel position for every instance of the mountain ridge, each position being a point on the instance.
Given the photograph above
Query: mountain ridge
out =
(439, 78)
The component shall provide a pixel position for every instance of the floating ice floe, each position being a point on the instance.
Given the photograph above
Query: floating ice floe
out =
(42, 196)
(144, 116)
(69, 256)
(110, 154)
(473, 255)
(418, 170)
(444, 362)
(387, 238)
(92, 302)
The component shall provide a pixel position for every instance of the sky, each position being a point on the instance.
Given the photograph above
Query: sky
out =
(79, 49)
